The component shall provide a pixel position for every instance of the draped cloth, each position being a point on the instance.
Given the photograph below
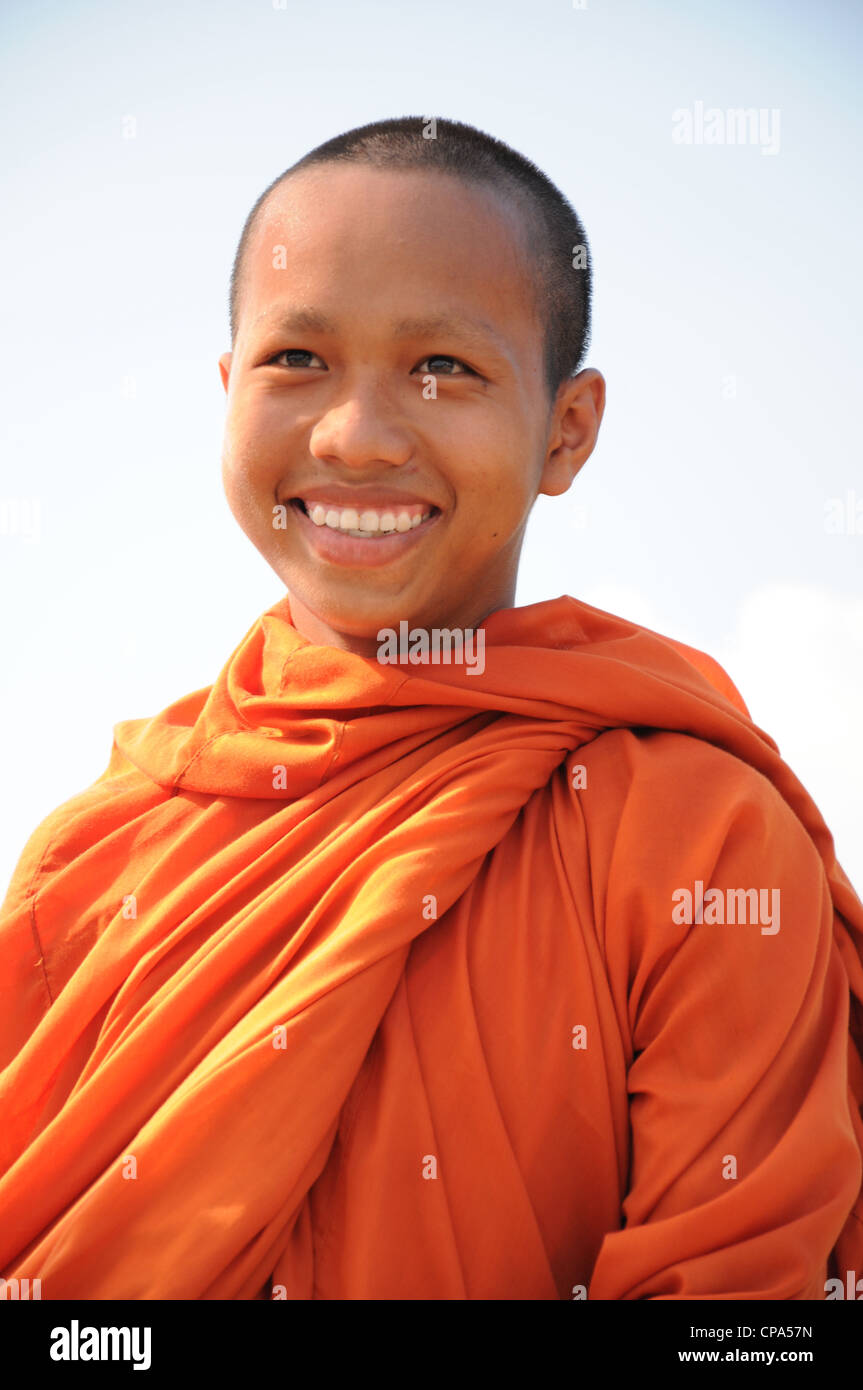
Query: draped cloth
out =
(351, 980)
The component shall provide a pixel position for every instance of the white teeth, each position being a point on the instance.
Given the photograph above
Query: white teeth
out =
(366, 524)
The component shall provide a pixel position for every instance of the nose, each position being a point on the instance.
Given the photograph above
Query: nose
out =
(359, 431)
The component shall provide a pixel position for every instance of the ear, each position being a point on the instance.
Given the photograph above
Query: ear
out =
(576, 417)
(225, 367)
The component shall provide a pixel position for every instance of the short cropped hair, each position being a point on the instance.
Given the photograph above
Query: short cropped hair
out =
(561, 255)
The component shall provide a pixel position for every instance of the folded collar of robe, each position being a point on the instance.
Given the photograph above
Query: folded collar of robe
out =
(320, 711)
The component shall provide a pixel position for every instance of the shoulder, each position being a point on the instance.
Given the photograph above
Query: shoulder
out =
(71, 827)
(650, 814)
(668, 781)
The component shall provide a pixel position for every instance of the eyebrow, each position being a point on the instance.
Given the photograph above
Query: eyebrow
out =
(312, 321)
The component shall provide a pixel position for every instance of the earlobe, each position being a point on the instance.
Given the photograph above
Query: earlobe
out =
(225, 367)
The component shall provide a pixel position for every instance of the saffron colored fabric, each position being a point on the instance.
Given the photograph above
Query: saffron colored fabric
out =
(355, 981)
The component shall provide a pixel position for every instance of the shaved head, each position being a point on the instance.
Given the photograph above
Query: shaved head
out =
(554, 238)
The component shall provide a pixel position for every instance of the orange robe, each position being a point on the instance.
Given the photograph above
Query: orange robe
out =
(349, 980)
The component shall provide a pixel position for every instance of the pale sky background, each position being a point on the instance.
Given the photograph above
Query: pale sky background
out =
(727, 322)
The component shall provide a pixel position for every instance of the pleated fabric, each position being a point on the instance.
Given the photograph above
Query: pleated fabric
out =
(362, 981)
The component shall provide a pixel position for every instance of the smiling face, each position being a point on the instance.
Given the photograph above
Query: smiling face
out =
(391, 371)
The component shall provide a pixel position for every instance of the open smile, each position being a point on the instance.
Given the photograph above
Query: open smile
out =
(357, 546)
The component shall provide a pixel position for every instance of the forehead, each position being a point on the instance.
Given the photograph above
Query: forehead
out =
(351, 238)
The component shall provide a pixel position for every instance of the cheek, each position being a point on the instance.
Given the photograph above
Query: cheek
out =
(243, 500)
(250, 452)
(495, 498)
(248, 483)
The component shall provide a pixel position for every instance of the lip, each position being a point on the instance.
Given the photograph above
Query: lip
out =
(342, 549)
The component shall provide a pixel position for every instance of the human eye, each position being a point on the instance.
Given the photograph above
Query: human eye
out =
(442, 357)
(294, 353)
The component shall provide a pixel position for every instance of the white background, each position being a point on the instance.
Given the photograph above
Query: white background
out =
(727, 323)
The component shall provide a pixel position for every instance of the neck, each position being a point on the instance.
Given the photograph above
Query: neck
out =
(325, 634)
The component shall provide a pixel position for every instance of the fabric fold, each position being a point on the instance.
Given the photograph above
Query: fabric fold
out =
(203, 946)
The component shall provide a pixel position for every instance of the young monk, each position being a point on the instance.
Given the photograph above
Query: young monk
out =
(365, 973)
